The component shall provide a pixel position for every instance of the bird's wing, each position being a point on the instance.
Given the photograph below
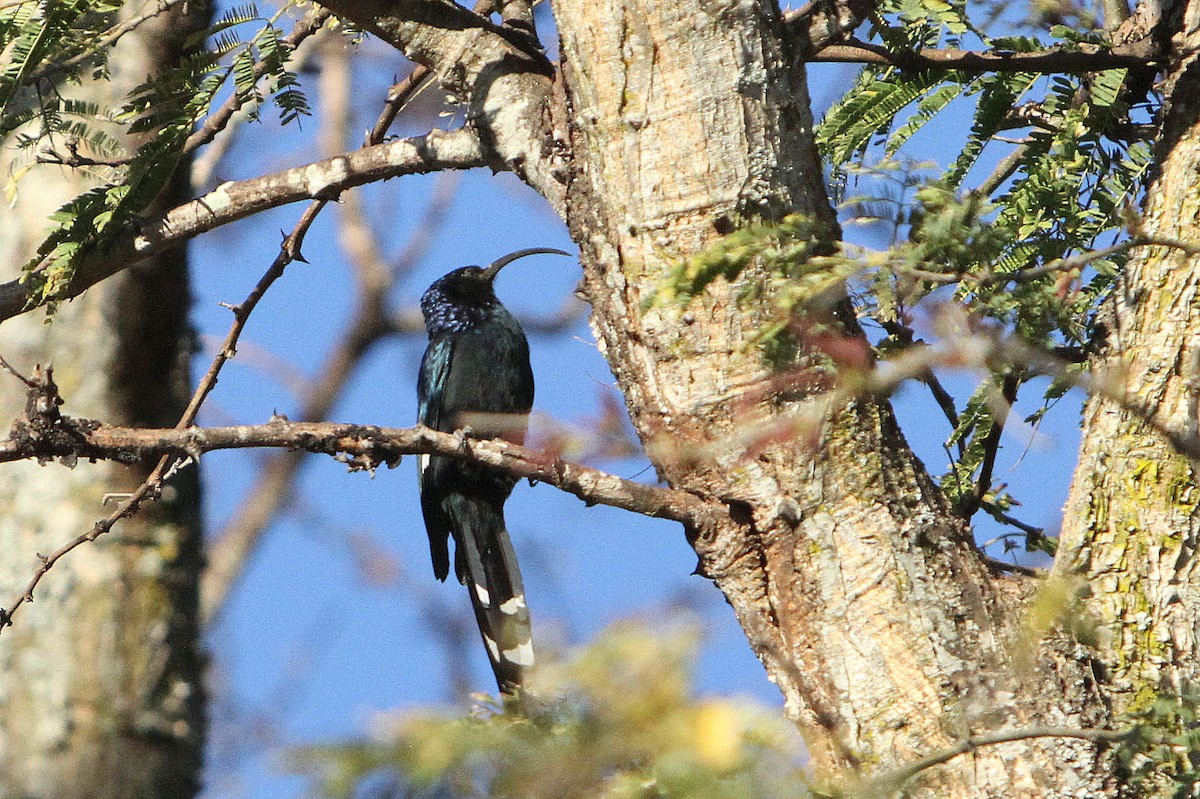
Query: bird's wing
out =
(431, 382)
(431, 386)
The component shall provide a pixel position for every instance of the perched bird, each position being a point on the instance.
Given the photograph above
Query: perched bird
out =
(475, 375)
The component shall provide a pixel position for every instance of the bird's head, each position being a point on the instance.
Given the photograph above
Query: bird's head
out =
(457, 299)
(468, 285)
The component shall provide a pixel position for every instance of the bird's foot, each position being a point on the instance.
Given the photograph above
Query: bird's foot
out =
(464, 435)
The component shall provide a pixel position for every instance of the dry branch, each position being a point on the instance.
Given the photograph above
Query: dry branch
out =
(229, 202)
(1128, 56)
(368, 324)
(362, 447)
(497, 71)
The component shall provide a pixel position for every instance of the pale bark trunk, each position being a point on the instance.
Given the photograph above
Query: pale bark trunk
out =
(859, 590)
(1132, 524)
(100, 692)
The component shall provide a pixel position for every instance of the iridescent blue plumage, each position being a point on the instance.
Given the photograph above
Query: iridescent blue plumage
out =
(475, 374)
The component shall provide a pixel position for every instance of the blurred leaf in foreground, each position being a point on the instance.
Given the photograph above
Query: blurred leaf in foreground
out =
(619, 718)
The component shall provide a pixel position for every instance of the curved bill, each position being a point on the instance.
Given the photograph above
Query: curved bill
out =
(498, 264)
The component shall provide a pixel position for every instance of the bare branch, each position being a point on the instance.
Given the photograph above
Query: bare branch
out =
(398, 97)
(904, 335)
(820, 23)
(517, 14)
(368, 324)
(43, 422)
(499, 72)
(366, 447)
(360, 447)
(6, 366)
(1134, 55)
(148, 490)
(895, 780)
(403, 92)
(458, 43)
(1001, 407)
(229, 202)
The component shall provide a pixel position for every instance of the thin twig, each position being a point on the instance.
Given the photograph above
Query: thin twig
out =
(991, 443)
(896, 779)
(1133, 56)
(400, 95)
(904, 334)
(369, 323)
(151, 487)
(997, 565)
(6, 366)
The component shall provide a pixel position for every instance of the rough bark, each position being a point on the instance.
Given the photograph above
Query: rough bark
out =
(100, 692)
(1132, 524)
(856, 586)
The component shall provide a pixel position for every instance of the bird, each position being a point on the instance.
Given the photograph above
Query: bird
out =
(475, 377)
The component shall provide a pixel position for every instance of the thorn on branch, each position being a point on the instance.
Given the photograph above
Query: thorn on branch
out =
(194, 451)
(292, 250)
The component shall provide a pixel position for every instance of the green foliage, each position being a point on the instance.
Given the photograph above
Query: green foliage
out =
(46, 40)
(618, 720)
(791, 241)
(998, 95)
(869, 108)
(50, 39)
(1009, 247)
(169, 107)
(975, 424)
(28, 33)
(923, 20)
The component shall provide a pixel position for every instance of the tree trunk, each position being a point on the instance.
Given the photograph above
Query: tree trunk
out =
(860, 591)
(1132, 524)
(100, 692)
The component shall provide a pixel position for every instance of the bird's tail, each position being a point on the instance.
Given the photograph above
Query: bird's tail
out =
(487, 565)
